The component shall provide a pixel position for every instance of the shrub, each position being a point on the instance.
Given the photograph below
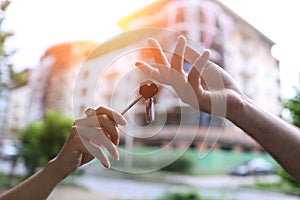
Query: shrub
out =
(183, 196)
(183, 164)
(286, 177)
(293, 105)
(41, 141)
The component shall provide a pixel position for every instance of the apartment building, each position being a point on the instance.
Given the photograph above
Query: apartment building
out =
(78, 75)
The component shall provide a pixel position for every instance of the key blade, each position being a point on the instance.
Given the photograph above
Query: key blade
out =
(131, 104)
(150, 111)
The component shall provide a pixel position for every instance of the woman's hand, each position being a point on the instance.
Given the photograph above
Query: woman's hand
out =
(206, 86)
(86, 138)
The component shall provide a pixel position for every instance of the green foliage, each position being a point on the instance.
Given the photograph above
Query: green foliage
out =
(183, 196)
(293, 105)
(6, 68)
(41, 141)
(286, 177)
(282, 187)
(183, 164)
(287, 185)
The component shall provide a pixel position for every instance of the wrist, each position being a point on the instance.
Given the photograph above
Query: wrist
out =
(53, 168)
(237, 107)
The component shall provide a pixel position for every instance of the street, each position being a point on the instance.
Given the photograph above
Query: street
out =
(137, 190)
(114, 185)
(146, 186)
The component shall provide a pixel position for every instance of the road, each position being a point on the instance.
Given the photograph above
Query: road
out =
(137, 189)
(115, 185)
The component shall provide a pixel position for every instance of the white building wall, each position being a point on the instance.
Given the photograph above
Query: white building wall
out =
(18, 110)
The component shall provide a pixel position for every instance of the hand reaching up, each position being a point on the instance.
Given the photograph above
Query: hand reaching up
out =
(206, 86)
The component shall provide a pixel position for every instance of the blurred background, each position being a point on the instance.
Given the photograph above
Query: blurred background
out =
(45, 43)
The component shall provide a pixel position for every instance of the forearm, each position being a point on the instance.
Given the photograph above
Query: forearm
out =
(279, 138)
(37, 187)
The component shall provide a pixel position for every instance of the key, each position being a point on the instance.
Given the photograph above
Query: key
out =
(131, 104)
(147, 90)
(150, 112)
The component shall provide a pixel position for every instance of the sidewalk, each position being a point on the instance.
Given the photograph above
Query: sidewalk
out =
(75, 193)
(99, 183)
(150, 187)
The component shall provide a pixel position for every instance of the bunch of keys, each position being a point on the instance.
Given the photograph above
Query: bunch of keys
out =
(147, 90)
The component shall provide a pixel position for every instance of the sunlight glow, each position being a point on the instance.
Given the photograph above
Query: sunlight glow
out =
(40, 24)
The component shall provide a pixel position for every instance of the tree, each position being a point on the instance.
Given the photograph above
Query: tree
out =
(41, 141)
(6, 68)
(293, 105)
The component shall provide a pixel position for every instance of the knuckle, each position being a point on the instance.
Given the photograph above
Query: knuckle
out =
(100, 108)
(102, 118)
(76, 122)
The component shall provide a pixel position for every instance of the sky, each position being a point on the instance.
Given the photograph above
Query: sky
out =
(279, 21)
(38, 24)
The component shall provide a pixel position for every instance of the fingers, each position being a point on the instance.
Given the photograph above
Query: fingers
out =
(178, 56)
(93, 139)
(90, 121)
(105, 118)
(162, 63)
(109, 128)
(108, 119)
(112, 115)
(149, 70)
(76, 143)
(201, 61)
(98, 129)
(158, 54)
(195, 72)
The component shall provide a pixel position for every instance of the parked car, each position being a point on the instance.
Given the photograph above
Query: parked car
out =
(9, 149)
(256, 166)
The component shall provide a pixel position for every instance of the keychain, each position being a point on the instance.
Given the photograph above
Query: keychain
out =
(147, 90)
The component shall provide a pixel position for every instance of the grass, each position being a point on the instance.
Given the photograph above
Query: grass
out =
(189, 195)
(282, 187)
(287, 184)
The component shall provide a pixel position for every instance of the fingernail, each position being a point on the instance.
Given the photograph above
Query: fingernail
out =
(123, 121)
(90, 112)
(139, 64)
(116, 155)
(207, 51)
(150, 40)
(180, 37)
(105, 165)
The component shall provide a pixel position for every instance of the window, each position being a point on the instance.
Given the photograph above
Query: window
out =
(83, 91)
(86, 74)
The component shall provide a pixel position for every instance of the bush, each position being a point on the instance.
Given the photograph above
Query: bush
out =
(41, 141)
(286, 177)
(183, 164)
(288, 184)
(183, 196)
(293, 105)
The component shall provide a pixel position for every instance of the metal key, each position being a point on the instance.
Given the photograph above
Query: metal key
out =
(147, 90)
(131, 104)
(150, 112)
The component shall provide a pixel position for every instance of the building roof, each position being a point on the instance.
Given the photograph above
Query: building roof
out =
(151, 10)
(69, 53)
(130, 36)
